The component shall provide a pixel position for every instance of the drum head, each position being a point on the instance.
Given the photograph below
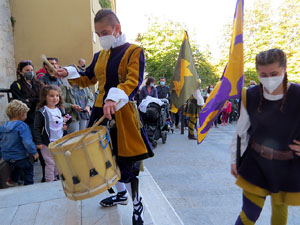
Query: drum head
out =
(74, 139)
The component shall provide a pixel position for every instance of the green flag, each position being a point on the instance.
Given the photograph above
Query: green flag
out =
(185, 77)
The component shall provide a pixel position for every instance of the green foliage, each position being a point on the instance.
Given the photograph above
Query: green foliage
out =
(250, 75)
(105, 4)
(266, 28)
(162, 43)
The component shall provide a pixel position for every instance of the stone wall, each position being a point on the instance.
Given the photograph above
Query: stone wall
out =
(7, 61)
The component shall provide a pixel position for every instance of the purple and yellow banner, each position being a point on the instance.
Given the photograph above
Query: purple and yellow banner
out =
(232, 81)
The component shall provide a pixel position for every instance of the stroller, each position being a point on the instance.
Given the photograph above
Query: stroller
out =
(157, 122)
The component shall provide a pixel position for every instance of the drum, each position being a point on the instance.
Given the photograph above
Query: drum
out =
(85, 162)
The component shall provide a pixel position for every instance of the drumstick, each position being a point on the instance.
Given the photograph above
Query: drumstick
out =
(50, 66)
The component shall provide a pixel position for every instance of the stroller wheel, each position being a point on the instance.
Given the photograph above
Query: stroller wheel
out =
(154, 143)
(164, 137)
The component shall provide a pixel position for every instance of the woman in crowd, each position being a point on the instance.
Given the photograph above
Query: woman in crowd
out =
(149, 89)
(77, 103)
(27, 89)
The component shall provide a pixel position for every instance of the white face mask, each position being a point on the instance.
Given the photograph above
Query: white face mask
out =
(271, 83)
(107, 41)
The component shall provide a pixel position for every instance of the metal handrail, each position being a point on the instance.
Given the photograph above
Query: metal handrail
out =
(8, 93)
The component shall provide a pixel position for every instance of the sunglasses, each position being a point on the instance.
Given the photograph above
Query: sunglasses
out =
(26, 61)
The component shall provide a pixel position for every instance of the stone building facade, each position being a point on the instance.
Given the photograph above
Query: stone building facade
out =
(7, 59)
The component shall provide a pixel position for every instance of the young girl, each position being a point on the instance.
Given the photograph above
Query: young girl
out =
(269, 127)
(48, 126)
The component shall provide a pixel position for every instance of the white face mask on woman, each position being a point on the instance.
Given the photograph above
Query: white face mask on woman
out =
(271, 83)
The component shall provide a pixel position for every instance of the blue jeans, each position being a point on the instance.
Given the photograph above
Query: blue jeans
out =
(19, 167)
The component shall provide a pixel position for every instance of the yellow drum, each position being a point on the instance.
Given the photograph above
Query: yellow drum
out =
(85, 162)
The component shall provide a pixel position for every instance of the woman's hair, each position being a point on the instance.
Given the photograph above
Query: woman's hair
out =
(269, 57)
(44, 92)
(107, 16)
(150, 80)
(16, 108)
(22, 64)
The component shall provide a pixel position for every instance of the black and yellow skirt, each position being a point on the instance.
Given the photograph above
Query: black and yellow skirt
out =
(192, 109)
(278, 178)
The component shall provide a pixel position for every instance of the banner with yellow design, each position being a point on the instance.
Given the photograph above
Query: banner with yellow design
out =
(184, 81)
(231, 84)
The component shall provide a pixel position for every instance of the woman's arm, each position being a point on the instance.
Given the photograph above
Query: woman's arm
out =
(243, 125)
(67, 100)
(90, 97)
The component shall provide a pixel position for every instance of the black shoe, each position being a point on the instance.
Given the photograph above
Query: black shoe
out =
(43, 180)
(138, 210)
(114, 200)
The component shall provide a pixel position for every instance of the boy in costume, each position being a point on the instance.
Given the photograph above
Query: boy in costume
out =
(119, 68)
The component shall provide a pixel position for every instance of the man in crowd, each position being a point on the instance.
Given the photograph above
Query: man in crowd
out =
(81, 65)
(50, 77)
(163, 90)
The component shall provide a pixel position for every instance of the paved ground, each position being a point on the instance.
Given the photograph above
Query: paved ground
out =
(197, 182)
(195, 179)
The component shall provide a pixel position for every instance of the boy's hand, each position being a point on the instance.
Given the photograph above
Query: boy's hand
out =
(36, 156)
(110, 107)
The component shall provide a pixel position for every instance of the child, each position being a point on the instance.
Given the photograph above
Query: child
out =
(48, 126)
(225, 113)
(16, 145)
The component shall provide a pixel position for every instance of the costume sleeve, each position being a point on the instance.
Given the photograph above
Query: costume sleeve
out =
(26, 137)
(118, 96)
(83, 79)
(243, 125)
(135, 74)
(38, 127)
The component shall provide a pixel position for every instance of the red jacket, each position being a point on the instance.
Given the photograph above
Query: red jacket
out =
(40, 73)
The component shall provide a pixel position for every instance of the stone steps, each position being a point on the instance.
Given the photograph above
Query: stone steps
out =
(46, 204)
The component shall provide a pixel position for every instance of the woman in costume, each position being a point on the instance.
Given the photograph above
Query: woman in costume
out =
(119, 68)
(192, 110)
(269, 128)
